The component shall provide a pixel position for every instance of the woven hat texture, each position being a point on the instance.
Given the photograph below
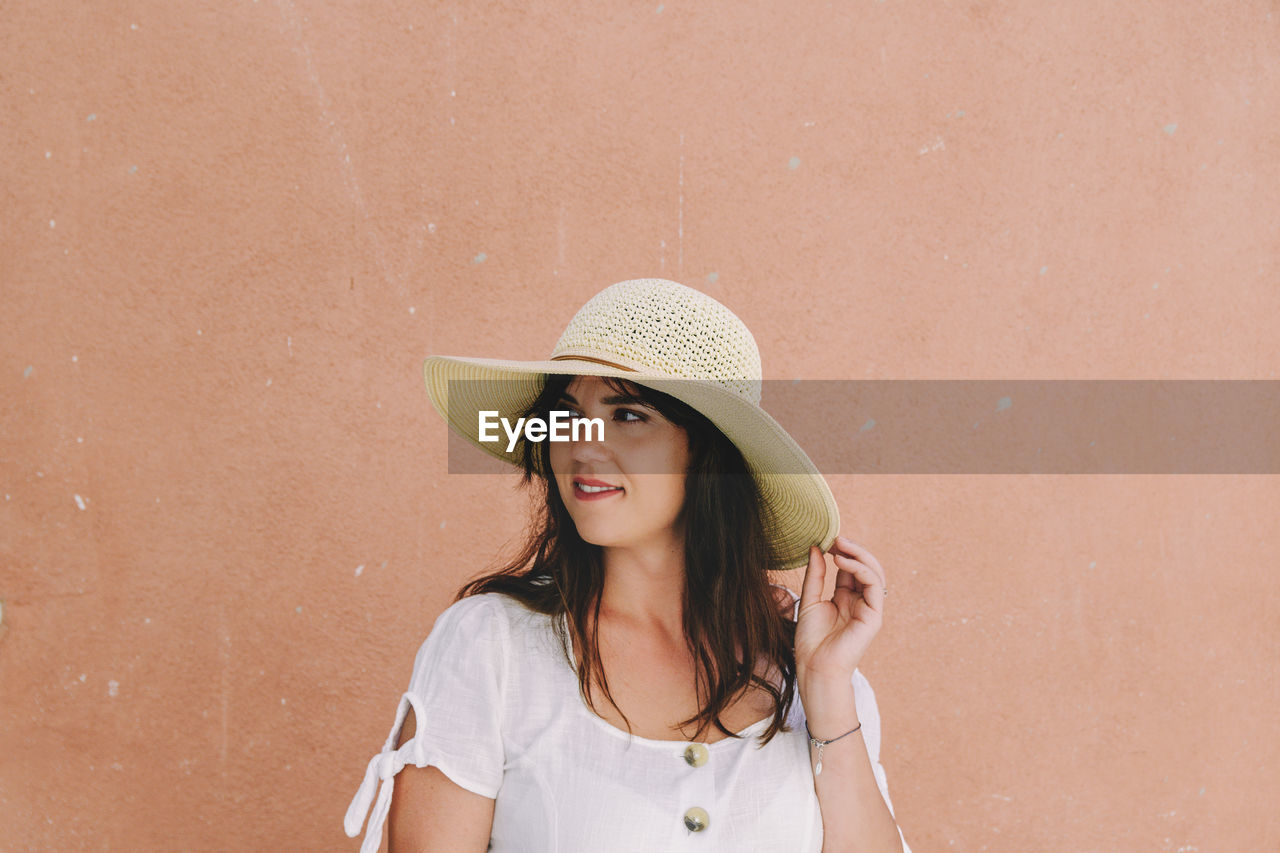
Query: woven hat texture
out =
(659, 326)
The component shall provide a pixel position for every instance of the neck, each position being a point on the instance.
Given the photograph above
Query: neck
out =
(644, 584)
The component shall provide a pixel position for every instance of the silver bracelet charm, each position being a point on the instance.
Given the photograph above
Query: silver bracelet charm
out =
(817, 770)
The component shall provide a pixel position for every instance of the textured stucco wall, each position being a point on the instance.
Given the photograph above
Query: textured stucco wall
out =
(231, 231)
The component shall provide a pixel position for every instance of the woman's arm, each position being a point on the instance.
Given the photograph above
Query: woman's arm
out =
(831, 637)
(431, 814)
(854, 814)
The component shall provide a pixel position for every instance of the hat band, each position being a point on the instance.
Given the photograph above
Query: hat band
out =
(589, 358)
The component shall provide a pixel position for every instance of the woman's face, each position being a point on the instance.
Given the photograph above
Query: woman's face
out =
(643, 459)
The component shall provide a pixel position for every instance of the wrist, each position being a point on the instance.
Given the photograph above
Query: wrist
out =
(829, 706)
(824, 686)
(806, 677)
(827, 741)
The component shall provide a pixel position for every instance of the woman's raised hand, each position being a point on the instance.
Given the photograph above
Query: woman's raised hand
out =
(833, 634)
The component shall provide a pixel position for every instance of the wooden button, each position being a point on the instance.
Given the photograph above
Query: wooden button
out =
(696, 755)
(697, 819)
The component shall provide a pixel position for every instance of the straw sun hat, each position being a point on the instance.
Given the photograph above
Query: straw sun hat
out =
(677, 340)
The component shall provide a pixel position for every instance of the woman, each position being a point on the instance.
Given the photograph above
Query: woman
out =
(632, 681)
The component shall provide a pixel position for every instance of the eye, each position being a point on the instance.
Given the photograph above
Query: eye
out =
(622, 415)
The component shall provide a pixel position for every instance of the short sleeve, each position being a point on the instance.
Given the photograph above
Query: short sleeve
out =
(864, 699)
(455, 693)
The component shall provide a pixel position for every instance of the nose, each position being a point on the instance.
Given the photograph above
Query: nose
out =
(584, 450)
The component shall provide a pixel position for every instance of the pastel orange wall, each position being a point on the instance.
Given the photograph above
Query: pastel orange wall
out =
(232, 231)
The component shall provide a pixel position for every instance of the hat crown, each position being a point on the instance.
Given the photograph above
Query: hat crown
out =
(658, 326)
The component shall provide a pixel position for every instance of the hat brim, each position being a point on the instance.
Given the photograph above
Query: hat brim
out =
(799, 508)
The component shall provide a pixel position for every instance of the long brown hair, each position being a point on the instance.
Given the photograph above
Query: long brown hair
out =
(731, 620)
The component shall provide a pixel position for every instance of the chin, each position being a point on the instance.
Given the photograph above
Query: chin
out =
(608, 535)
(601, 538)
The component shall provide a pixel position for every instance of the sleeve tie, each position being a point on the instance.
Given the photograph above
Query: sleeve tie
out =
(383, 767)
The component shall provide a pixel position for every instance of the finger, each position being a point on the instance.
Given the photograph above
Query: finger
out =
(852, 551)
(862, 580)
(857, 554)
(857, 582)
(858, 567)
(848, 601)
(846, 579)
(815, 575)
(849, 548)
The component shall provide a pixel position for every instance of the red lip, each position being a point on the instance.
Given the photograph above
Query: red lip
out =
(579, 494)
(587, 481)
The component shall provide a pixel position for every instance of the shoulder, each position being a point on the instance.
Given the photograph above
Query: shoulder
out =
(488, 619)
(470, 630)
(488, 624)
(483, 611)
(474, 648)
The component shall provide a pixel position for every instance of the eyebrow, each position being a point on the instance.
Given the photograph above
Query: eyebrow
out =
(614, 400)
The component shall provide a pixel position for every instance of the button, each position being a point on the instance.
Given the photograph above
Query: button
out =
(697, 819)
(696, 755)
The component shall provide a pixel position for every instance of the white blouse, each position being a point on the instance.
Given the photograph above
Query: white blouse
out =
(498, 711)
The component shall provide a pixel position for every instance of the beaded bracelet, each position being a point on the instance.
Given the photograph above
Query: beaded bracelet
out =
(817, 770)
